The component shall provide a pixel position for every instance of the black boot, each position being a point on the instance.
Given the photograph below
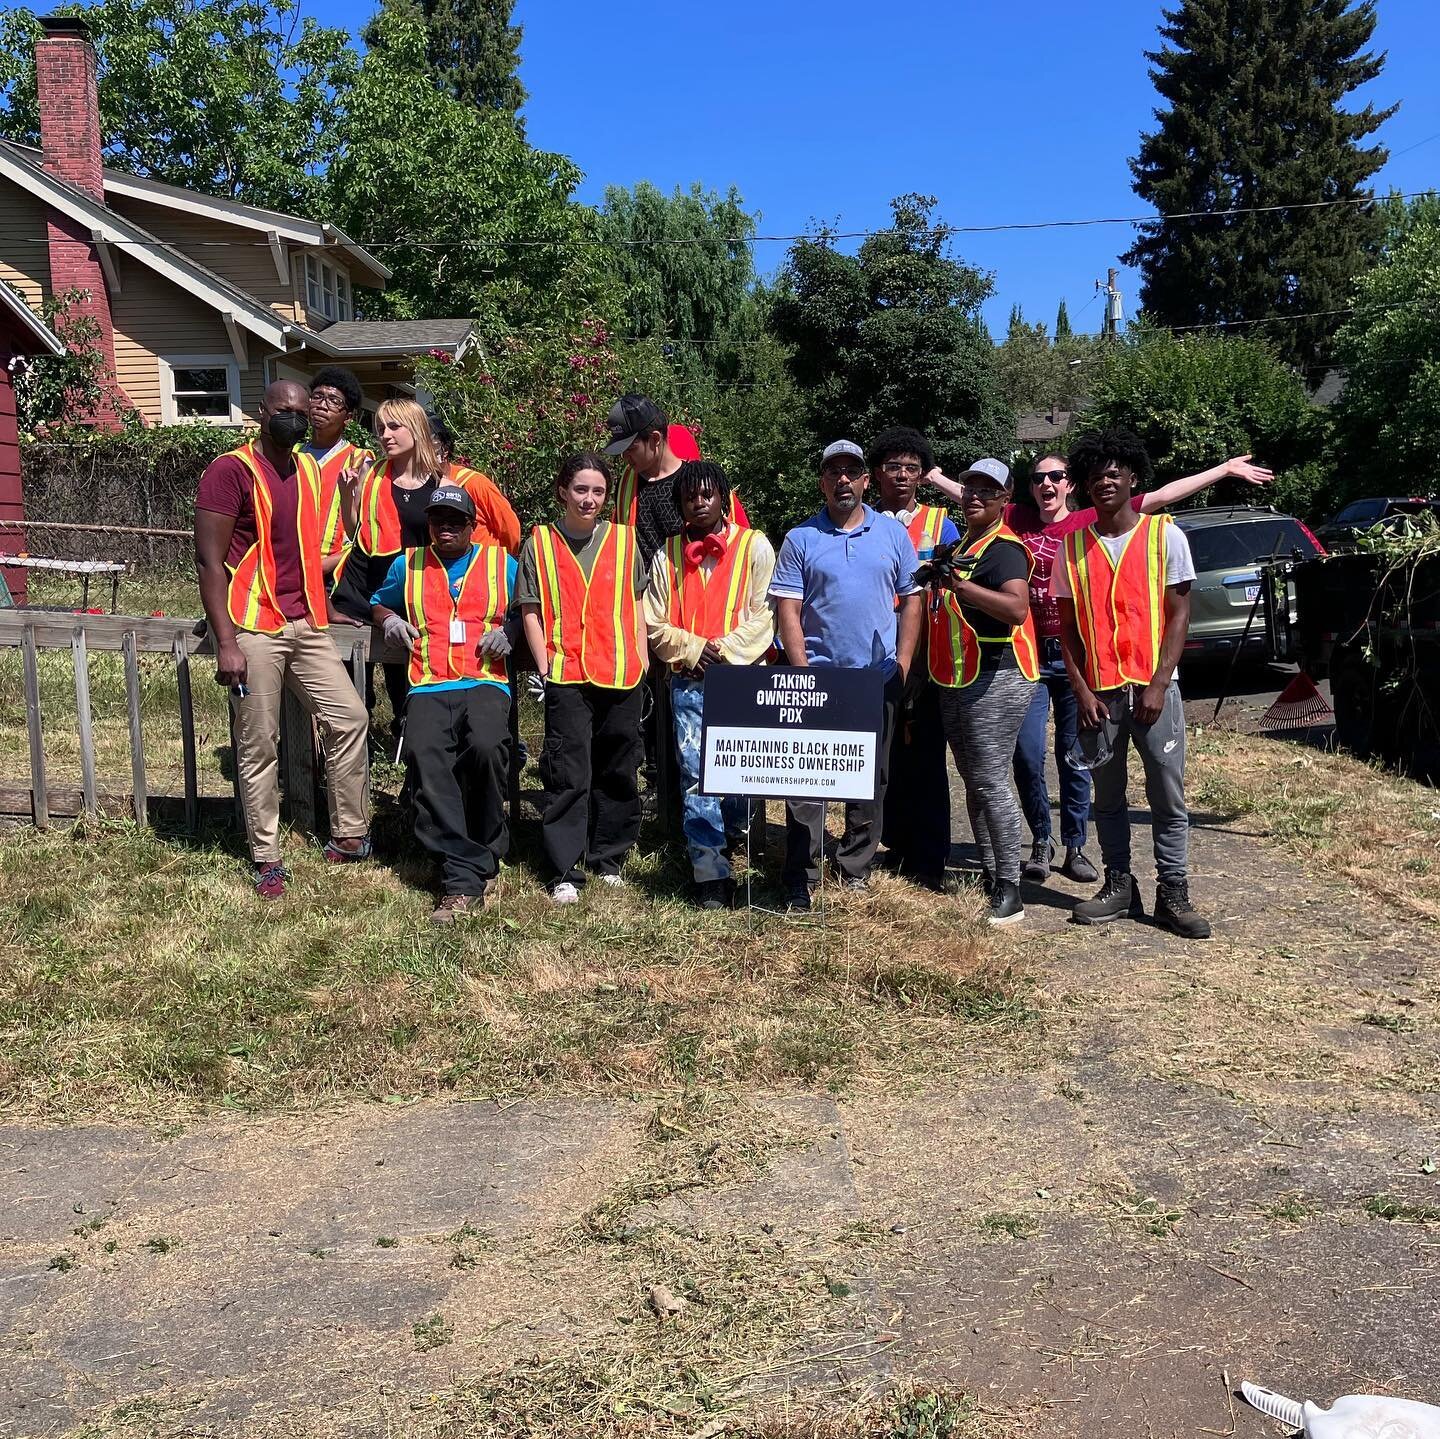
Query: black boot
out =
(1174, 910)
(1005, 905)
(1118, 897)
(1077, 867)
(1037, 868)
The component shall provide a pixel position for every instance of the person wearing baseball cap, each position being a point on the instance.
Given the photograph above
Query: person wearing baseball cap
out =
(845, 594)
(445, 604)
(982, 656)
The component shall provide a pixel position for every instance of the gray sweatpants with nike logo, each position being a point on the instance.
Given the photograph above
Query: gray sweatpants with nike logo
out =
(1162, 752)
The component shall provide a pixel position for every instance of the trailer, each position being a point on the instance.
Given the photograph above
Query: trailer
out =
(1370, 621)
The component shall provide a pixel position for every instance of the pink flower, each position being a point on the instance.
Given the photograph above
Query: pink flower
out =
(444, 357)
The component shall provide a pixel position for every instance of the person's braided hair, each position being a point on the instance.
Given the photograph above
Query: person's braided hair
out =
(1094, 449)
(696, 475)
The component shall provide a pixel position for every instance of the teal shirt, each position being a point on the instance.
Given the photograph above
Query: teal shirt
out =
(391, 594)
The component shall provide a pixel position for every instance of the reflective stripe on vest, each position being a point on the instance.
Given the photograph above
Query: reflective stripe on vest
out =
(377, 525)
(710, 605)
(925, 527)
(481, 604)
(1119, 605)
(592, 628)
(251, 600)
(332, 531)
(954, 646)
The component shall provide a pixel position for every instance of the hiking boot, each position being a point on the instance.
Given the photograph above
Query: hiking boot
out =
(1077, 867)
(1005, 905)
(1037, 868)
(715, 894)
(452, 906)
(1117, 898)
(797, 900)
(1174, 911)
(270, 880)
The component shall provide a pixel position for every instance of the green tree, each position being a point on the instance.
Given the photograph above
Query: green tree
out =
(893, 335)
(1197, 399)
(1389, 414)
(1252, 116)
(473, 221)
(1062, 322)
(471, 49)
(237, 98)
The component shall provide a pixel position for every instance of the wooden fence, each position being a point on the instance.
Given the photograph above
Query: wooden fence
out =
(33, 631)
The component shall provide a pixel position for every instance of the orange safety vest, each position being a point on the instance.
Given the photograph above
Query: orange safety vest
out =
(332, 535)
(712, 605)
(480, 606)
(252, 600)
(592, 627)
(1119, 605)
(925, 527)
(377, 524)
(954, 646)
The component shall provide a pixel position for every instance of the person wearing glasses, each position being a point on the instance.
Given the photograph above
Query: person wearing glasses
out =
(983, 660)
(1042, 521)
(845, 594)
(335, 399)
(916, 825)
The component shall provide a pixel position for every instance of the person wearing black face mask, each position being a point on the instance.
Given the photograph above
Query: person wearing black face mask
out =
(258, 527)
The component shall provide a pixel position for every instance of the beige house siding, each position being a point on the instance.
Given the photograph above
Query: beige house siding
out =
(24, 257)
(237, 254)
(155, 319)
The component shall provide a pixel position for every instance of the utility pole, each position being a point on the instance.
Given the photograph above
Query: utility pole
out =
(1114, 313)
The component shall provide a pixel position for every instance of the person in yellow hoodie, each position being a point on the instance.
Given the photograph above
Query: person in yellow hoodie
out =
(707, 604)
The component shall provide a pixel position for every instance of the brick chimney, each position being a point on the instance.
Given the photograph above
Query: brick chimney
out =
(70, 143)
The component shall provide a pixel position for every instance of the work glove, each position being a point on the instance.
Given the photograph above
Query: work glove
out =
(399, 631)
(495, 644)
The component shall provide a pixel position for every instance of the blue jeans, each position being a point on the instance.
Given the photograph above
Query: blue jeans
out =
(1053, 689)
(704, 817)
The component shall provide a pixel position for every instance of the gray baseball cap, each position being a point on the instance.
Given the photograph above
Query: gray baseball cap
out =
(842, 447)
(992, 470)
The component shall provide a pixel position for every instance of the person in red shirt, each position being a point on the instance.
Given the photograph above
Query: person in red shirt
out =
(258, 528)
(1042, 522)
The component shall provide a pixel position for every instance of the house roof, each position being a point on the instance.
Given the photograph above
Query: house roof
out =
(1037, 426)
(251, 217)
(106, 226)
(44, 337)
(358, 338)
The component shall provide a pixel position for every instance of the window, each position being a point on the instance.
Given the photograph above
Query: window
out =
(327, 289)
(200, 389)
(1240, 546)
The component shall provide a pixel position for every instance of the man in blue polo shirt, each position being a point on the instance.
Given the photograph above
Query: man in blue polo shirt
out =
(836, 584)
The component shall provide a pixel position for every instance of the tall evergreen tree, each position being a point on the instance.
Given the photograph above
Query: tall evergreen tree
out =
(1252, 117)
(1062, 322)
(471, 49)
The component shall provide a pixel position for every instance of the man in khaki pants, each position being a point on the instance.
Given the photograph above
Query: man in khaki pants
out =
(258, 549)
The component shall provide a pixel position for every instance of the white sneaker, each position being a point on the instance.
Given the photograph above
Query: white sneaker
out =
(613, 880)
(565, 893)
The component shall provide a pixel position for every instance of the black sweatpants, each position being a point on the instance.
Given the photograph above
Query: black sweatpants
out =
(459, 743)
(917, 794)
(805, 820)
(591, 758)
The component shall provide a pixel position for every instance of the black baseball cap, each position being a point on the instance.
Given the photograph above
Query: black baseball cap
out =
(630, 417)
(451, 497)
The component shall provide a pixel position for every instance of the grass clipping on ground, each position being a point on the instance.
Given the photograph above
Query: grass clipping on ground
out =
(1378, 829)
(140, 975)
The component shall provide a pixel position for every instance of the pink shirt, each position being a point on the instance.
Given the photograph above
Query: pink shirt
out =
(1043, 541)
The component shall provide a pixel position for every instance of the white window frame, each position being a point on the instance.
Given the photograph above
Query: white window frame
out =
(170, 363)
(326, 288)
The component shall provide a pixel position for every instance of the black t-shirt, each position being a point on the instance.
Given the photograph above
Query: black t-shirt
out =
(1003, 560)
(364, 574)
(657, 516)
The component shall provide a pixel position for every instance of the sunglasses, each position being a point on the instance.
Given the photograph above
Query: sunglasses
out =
(900, 467)
(985, 497)
(836, 472)
(1055, 476)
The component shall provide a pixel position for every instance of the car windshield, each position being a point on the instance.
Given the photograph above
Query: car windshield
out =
(1223, 547)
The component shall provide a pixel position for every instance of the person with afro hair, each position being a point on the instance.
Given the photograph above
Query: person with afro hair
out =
(335, 399)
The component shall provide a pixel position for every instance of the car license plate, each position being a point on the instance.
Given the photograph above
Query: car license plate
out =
(1252, 593)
